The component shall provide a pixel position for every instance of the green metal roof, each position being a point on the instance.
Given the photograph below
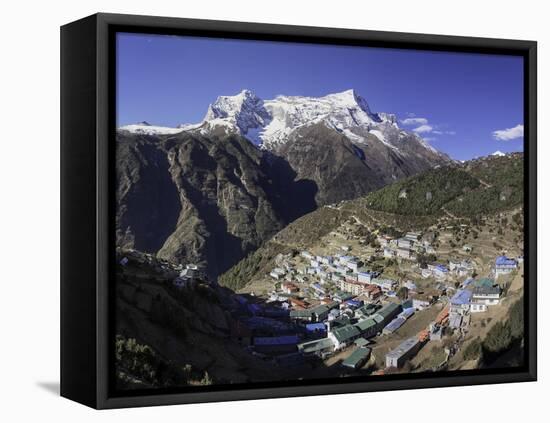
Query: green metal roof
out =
(366, 324)
(484, 282)
(357, 356)
(361, 342)
(317, 345)
(388, 309)
(345, 333)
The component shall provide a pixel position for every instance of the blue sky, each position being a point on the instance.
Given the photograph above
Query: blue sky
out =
(456, 101)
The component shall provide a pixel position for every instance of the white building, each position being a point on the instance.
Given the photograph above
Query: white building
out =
(478, 307)
(364, 277)
(504, 266)
(488, 295)
(404, 243)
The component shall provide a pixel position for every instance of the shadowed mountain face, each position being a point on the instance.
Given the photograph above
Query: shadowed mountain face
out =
(209, 201)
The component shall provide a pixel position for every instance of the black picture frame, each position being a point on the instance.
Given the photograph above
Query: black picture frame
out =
(87, 166)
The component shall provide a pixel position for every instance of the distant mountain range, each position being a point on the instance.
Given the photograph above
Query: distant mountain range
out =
(213, 191)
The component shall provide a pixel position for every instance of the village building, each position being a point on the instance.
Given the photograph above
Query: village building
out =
(467, 264)
(384, 240)
(388, 312)
(410, 285)
(297, 303)
(358, 358)
(342, 296)
(422, 301)
(289, 288)
(394, 325)
(277, 273)
(366, 311)
(343, 336)
(460, 302)
(406, 350)
(478, 307)
(504, 266)
(320, 348)
(191, 271)
(461, 271)
(335, 277)
(488, 295)
(364, 276)
(438, 270)
(404, 243)
(453, 264)
(404, 253)
(412, 236)
(369, 327)
(327, 260)
(354, 288)
(426, 273)
(385, 284)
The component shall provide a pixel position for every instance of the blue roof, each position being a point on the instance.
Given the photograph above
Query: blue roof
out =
(408, 312)
(395, 324)
(503, 261)
(462, 296)
(441, 268)
(312, 327)
(354, 303)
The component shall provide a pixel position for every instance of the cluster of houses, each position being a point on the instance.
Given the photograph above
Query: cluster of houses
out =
(348, 325)
(345, 271)
(354, 314)
(334, 302)
(405, 247)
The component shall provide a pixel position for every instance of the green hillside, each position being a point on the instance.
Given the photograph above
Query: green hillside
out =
(501, 189)
(423, 194)
(481, 186)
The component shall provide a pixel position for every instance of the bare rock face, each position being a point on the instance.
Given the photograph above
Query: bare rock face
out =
(343, 170)
(193, 199)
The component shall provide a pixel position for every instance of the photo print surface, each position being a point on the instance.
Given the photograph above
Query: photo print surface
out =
(291, 212)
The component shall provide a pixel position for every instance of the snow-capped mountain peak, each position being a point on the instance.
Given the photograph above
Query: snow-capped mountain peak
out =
(244, 111)
(146, 128)
(270, 123)
(498, 153)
